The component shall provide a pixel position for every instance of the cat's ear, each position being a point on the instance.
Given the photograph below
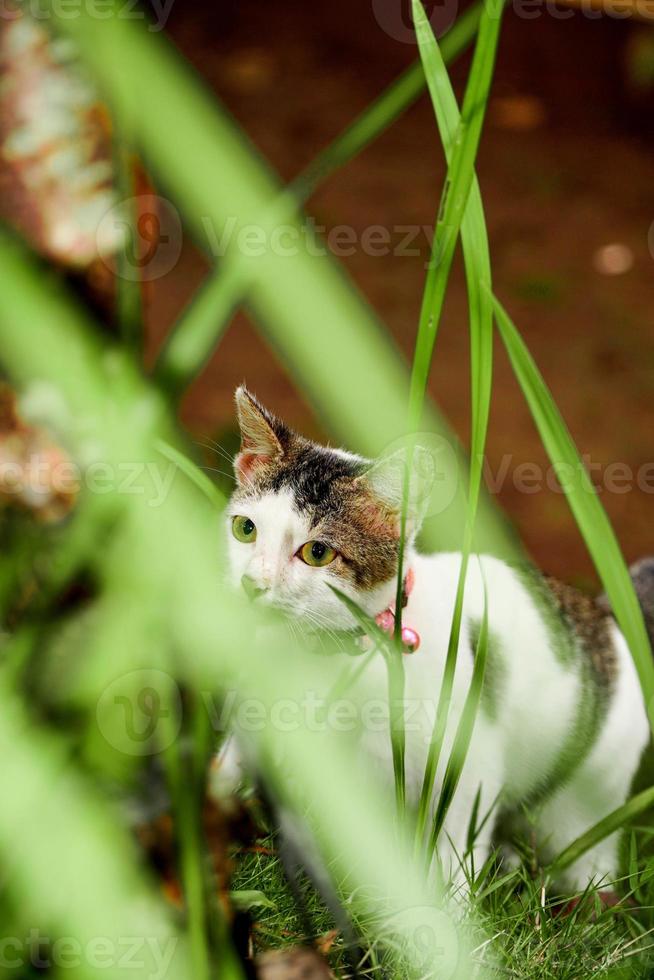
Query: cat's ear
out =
(387, 476)
(263, 437)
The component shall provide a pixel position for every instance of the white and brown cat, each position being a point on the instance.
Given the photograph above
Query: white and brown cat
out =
(562, 724)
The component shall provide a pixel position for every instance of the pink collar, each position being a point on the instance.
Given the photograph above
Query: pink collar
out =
(386, 619)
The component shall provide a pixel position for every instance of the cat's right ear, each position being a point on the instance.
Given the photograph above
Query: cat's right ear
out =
(263, 437)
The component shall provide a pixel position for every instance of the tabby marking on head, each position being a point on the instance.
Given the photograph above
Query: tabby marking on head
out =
(316, 494)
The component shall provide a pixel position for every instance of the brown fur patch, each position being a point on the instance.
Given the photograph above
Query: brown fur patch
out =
(590, 623)
(642, 576)
(364, 532)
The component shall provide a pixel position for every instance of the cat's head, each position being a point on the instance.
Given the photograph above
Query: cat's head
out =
(305, 516)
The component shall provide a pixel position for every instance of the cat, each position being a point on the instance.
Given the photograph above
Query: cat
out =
(562, 725)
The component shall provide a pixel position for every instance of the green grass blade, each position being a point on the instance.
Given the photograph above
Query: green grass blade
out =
(473, 821)
(585, 505)
(464, 730)
(366, 622)
(619, 818)
(396, 688)
(186, 806)
(474, 240)
(193, 472)
(454, 198)
(461, 138)
(395, 673)
(443, 707)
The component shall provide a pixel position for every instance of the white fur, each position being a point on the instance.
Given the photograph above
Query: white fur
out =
(510, 755)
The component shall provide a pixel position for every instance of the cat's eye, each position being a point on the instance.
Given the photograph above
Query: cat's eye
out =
(317, 553)
(244, 529)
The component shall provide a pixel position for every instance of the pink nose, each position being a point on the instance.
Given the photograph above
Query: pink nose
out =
(252, 590)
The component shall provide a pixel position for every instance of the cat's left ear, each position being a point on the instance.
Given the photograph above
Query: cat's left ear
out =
(263, 436)
(388, 475)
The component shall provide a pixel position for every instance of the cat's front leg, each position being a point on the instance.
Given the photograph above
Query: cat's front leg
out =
(463, 849)
(227, 772)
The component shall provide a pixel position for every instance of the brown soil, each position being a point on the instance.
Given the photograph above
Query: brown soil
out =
(565, 169)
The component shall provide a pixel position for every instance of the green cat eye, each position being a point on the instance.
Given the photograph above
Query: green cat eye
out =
(244, 530)
(317, 553)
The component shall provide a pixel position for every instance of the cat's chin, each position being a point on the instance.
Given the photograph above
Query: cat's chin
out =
(315, 624)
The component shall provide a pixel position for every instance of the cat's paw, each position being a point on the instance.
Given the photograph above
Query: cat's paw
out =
(226, 774)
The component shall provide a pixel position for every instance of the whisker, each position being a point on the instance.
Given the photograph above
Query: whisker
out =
(215, 448)
(219, 451)
(325, 628)
(213, 469)
(212, 444)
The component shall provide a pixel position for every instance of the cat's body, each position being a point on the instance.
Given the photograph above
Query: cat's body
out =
(561, 728)
(562, 724)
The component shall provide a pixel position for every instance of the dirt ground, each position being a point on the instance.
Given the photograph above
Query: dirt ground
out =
(566, 169)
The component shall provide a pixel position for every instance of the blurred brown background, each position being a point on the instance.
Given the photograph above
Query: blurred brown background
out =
(567, 175)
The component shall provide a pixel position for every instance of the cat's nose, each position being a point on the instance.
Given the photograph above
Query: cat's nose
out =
(252, 590)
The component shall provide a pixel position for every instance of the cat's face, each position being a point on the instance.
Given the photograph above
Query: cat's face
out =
(304, 516)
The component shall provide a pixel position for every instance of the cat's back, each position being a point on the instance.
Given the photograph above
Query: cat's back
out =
(533, 684)
(508, 594)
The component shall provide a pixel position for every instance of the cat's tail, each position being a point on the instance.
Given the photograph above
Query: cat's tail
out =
(642, 576)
